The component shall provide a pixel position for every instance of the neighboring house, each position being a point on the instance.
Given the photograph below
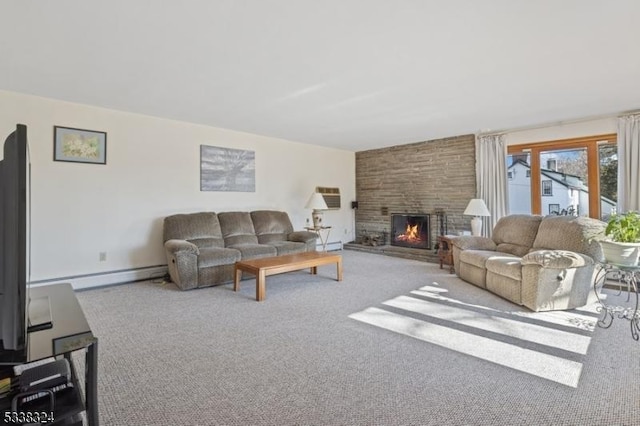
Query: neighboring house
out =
(561, 193)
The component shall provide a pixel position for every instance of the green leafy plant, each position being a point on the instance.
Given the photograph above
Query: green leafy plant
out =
(624, 228)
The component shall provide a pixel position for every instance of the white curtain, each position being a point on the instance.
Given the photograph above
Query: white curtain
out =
(628, 163)
(491, 178)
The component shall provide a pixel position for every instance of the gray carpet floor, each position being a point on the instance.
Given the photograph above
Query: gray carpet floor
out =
(397, 342)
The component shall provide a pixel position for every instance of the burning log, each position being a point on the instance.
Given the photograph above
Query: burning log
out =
(410, 234)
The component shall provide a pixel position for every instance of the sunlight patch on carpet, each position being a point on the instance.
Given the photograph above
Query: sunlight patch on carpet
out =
(539, 364)
(509, 327)
(468, 329)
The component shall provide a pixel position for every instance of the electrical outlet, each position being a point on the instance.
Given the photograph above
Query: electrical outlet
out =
(103, 256)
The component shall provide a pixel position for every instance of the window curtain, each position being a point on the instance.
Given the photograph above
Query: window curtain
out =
(628, 163)
(491, 178)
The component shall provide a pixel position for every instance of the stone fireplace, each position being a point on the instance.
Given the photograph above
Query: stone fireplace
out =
(435, 177)
(411, 230)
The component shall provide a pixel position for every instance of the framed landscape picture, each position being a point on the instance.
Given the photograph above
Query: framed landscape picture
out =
(79, 145)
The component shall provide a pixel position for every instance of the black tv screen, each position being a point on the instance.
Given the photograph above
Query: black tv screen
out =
(14, 247)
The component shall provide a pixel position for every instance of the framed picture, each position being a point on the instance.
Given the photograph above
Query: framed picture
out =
(79, 145)
(72, 342)
(227, 169)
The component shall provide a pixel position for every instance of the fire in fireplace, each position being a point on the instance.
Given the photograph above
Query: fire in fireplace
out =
(410, 230)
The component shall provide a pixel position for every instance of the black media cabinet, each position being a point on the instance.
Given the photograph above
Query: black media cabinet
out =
(70, 333)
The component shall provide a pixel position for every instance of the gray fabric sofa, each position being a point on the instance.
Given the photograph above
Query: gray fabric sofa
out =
(202, 248)
(544, 263)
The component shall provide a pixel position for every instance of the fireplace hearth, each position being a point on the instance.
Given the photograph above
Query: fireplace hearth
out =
(411, 230)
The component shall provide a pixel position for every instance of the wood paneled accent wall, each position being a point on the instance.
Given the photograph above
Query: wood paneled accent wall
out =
(415, 178)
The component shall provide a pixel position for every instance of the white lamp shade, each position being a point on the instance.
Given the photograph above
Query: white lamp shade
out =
(316, 202)
(476, 207)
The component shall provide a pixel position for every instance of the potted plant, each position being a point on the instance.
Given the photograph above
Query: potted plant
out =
(622, 243)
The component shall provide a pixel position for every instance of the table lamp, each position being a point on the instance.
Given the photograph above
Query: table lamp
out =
(476, 208)
(317, 203)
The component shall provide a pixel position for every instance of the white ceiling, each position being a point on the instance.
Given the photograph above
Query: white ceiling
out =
(351, 74)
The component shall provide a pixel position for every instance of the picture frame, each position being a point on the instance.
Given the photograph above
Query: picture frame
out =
(227, 169)
(72, 342)
(79, 145)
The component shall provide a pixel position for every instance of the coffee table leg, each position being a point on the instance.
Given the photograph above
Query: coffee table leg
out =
(236, 279)
(339, 269)
(260, 285)
(314, 270)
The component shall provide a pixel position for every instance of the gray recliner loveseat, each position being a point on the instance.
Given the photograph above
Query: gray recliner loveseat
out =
(202, 248)
(544, 263)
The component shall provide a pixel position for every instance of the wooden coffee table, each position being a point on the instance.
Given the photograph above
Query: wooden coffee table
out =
(280, 264)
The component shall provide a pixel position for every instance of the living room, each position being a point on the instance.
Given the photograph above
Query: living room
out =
(315, 98)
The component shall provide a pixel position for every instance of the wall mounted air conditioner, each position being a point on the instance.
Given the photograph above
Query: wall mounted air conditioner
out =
(331, 196)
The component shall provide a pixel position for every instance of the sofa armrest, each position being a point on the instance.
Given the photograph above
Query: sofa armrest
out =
(556, 259)
(302, 236)
(176, 247)
(470, 242)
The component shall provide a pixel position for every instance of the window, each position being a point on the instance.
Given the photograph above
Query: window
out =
(608, 180)
(552, 164)
(580, 172)
(554, 208)
(510, 175)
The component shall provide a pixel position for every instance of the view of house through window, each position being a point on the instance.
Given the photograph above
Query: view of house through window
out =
(564, 177)
(519, 168)
(575, 177)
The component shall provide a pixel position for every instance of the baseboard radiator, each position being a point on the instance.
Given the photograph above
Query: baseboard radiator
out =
(331, 246)
(79, 282)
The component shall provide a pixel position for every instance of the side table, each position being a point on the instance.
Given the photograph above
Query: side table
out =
(445, 251)
(627, 276)
(324, 238)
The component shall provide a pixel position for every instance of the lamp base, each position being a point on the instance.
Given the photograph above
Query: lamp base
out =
(317, 218)
(476, 226)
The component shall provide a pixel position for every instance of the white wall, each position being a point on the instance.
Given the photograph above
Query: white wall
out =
(563, 131)
(152, 170)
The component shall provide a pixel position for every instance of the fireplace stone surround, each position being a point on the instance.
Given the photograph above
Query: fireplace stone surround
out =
(432, 177)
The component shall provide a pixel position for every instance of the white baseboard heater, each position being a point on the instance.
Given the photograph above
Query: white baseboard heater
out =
(79, 282)
(331, 246)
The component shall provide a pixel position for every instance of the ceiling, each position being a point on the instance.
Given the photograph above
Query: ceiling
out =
(350, 74)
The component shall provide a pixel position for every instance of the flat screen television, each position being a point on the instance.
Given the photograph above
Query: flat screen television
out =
(14, 247)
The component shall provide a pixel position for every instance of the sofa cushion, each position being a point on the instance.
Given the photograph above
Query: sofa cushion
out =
(303, 237)
(201, 229)
(253, 251)
(207, 242)
(271, 225)
(479, 258)
(570, 233)
(288, 247)
(237, 228)
(217, 256)
(516, 233)
(506, 266)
